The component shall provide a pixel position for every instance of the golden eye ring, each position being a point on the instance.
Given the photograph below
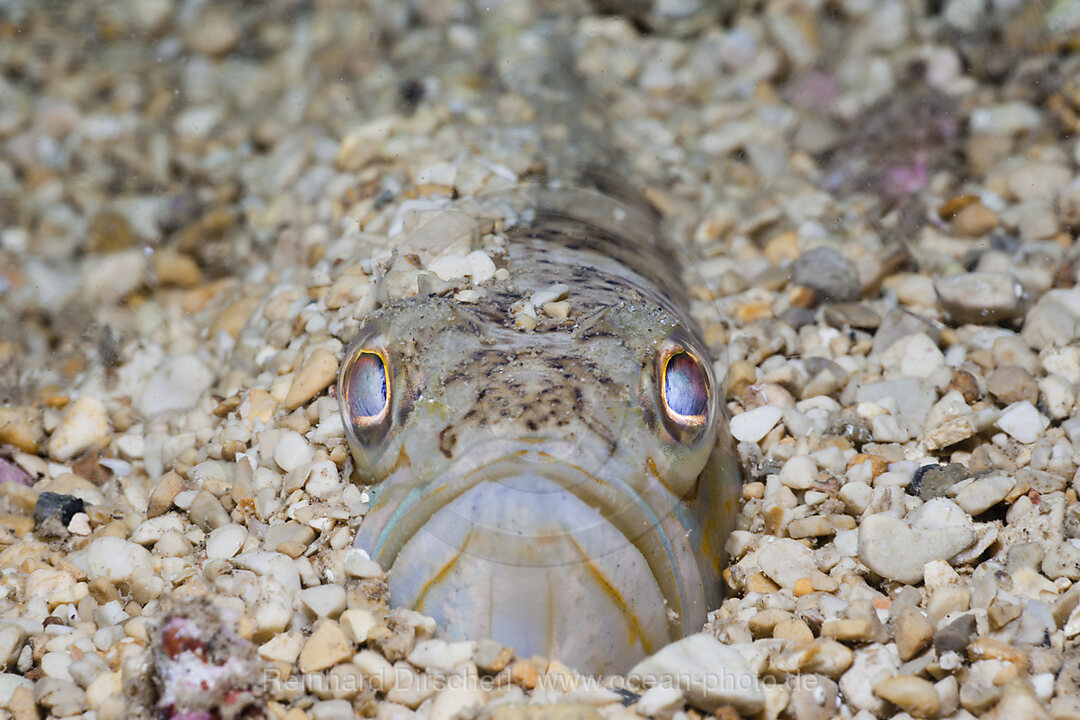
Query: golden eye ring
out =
(364, 390)
(685, 391)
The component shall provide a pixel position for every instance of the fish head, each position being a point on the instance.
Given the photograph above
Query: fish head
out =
(540, 488)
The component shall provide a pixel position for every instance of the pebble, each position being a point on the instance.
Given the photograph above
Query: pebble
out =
(753, 425)
(358, 624)
(115, 559)
(214, 32)
(786, 561)
(317, 373)
(913, 695)
(931, 481)
(176, 385)
(692, 665)
(207, 512)
(175, 268)
(21, 427)
(979, 495)
(292, 451)
(660, 702)
(359, 565)
(225, 541)
(324, 600)
(85, 426)
(332, 710)
(829, 273)
(165, 491)
(9, 683)
(56, 507)
(955, 635)
(326, 647)
(980, 298)
(1023, 422)
(872, 665)
(12, 638)
(452, 701)
(973, 220)
(912, 631)
(894, 550)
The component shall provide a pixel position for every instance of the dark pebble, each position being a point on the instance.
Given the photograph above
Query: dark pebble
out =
(828, 273)
(955, 636)
(855, 315)
(54, 505)
(932, 481)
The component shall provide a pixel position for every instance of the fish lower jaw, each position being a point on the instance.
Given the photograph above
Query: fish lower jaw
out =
(547, 576)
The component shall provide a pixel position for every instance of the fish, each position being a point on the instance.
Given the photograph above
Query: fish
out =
(547, 457)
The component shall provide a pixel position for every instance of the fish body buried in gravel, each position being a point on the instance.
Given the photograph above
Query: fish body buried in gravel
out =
(565, 489)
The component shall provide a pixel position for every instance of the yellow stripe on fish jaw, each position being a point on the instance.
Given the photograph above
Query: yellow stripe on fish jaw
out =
(634, 632)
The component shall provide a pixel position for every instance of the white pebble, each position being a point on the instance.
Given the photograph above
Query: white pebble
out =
(482, 268)
(176, 385)
(324, 600)
(225, 541)
(85, 426)
(292, 451)
(1023, 422)
(755, 424)
(117, 559)
(359, 564)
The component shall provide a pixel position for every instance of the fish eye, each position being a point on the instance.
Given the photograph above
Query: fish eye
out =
(684, 389)
(364, 390)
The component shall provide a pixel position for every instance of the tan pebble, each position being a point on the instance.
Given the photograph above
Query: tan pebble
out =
(178, 269)
(741, 375)
(913, 695)
(759, 583)
(813, 526)
(824, 656)
(860, 629)
(912, 631)
(752, 311)
(782, 248)
(878, 464)
(559, 309)
(109, 232)
(295, 714)
(990, 649)
(165, 491)
(763, 622)
(1019, 701)
(326, 647)
(524, 321)
(803, 586)
(22, 705)
(20, 426)
(524, 674)
(318, 373)
(258, 405)
(20, 496)
(85, 426)
(284, 647)
(215, 32)
(793, 629)
(973, 220)
(820, 582)
(233, 318)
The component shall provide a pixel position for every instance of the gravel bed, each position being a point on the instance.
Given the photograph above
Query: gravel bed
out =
(200, 202)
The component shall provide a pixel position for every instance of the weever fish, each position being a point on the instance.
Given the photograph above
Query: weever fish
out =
(562, 484)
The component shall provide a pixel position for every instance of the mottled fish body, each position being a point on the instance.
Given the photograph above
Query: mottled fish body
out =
(548, 456)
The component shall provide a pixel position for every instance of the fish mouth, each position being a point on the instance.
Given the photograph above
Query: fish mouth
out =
(542, 556)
